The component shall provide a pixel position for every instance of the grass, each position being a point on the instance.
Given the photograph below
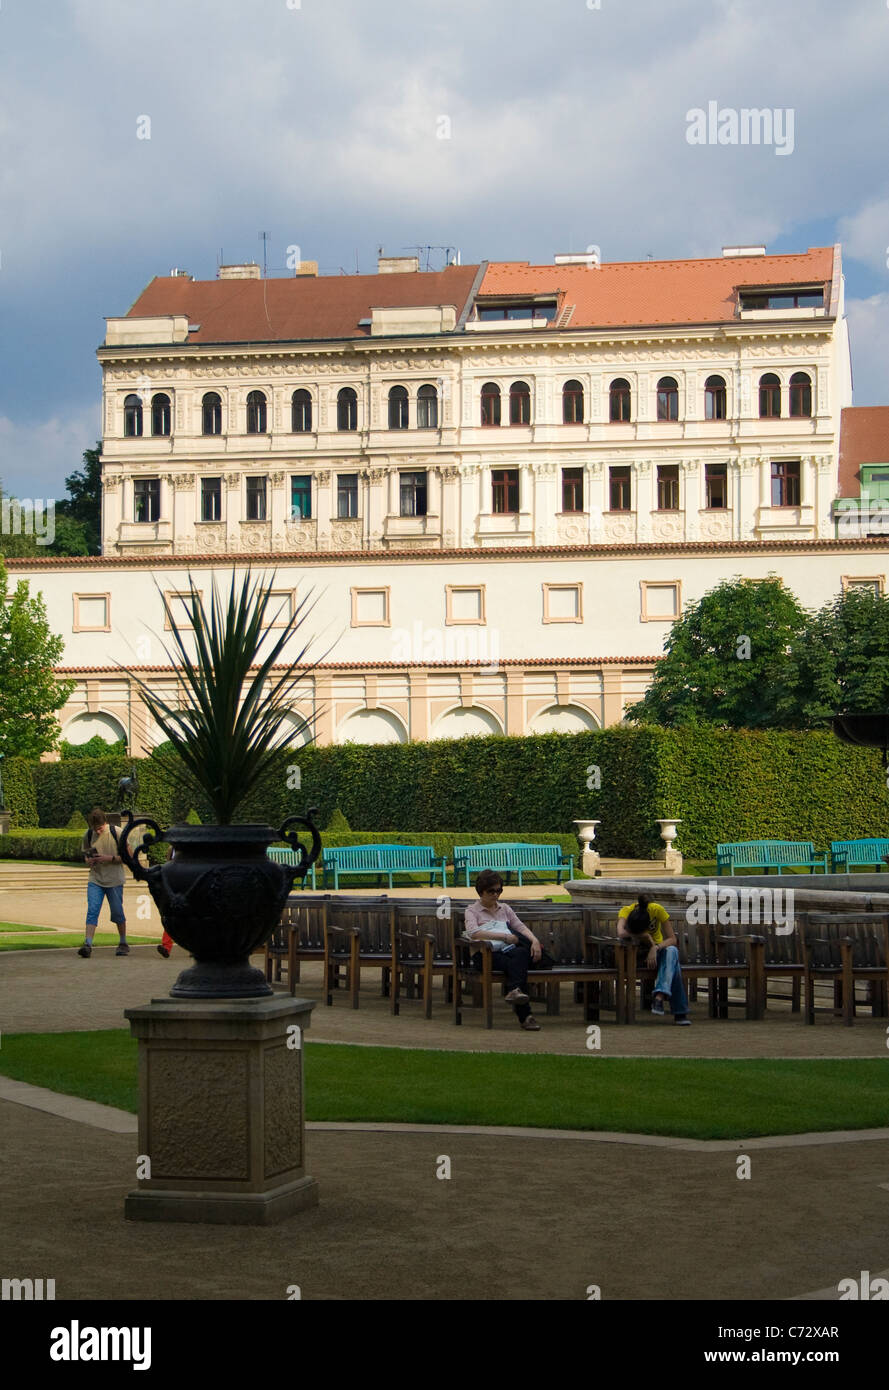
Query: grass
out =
(49, 941)
(18, 927)
(717, 1099)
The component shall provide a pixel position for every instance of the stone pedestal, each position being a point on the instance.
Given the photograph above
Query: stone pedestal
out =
(591, 862)
(672, 860)
(4, 822)
(221, 1111)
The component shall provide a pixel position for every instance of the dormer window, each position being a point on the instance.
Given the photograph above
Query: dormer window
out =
(778, 299)
(542, 309)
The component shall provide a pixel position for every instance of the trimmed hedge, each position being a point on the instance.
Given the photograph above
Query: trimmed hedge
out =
(732, 784)
(19, 791)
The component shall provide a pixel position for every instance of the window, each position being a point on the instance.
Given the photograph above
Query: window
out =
(869, 584)
(300, 499)
(132, 417)
(92, 613)
(211, 499)
(619, 489)
(464, 604)
(562, 603)
(160, 414)
(211, 413)
(256, 413)
(505, 484)
(301, 412)
(147, 499)
(668, 487)
(544, 310)
(661, 603)
(346, 495)
(714, 398)
(769, 397)
(398, 408)
(619, 400)
(782, 299)
(427, 408)
(490, 404)
(256, 499)
(572, 403)
(413, 494)
(716, 486)
(785, 484)
(572, 489)
(519, 403)
(800, 395)
(667, 398)
(347, 409)
(370, 607)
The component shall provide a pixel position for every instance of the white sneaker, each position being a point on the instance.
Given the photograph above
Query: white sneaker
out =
(517, 996)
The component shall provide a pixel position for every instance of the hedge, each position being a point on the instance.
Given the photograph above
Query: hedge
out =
(722, 784)
(19, 791)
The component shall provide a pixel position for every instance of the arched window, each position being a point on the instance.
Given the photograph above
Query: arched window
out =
(301, 412)
(769, 397)
(132, 417)
(398, 408)
(714, 398)
(619, 400)
(490, 403)
(427, 408)
(160, 413)
(211, 413)
(347, 409)
(256, 413)
(520, 403)
(801, 394)
(667, 398)
(572, 403)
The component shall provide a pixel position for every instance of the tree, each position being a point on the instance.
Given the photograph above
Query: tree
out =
(726, 659)
(30, 694)
(841, 661)
(83, 504)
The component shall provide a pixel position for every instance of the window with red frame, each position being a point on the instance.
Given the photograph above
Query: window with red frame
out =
(490, 404)
(769, 397)
(505, 487)
(572, 489)
(619, 401)
(801, 395)
(785, 484)
(519, 403)
(572, 403)
(619, 489)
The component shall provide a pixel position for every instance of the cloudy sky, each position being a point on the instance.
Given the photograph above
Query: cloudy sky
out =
(321, 122)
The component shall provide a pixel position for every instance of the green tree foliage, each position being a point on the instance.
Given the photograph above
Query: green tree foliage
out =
(726, 660)
(83, 505)
(841, 661)
(30, 693)
(95, 747)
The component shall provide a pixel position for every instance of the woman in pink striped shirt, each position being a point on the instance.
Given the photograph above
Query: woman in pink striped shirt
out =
(515, 944)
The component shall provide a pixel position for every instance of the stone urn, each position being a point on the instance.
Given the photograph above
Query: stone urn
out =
(672, 857)
(220, 897)
(590, 861)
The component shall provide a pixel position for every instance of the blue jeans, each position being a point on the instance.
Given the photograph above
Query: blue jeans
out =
(95, 896)
(669, 979)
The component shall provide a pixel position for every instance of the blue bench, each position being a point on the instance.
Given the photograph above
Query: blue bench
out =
(769, 854)
(384, 859)
(844, 853)
(509, 858)
(288, 856)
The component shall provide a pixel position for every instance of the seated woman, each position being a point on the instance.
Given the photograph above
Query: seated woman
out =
(516, 946)
(648, 924)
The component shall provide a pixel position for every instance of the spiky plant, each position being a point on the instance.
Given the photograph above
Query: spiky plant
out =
(234, 718)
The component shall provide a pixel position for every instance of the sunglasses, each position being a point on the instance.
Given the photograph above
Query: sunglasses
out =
(493, 890)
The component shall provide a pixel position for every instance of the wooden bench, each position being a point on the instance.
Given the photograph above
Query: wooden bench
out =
(423, 942)
(706, 953)
(288, 856)
(384, 861)
(510, 858)
(844, 853)
(768, 855)
(845, 948)
(298, 936)
(357, 935)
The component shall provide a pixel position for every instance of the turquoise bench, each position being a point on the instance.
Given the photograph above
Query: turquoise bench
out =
(769, 854)
(509, 858)
(288, 856)
(384, 859)
(844, 853)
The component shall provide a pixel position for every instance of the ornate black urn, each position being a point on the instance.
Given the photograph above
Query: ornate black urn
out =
(872, 730)
(220, 896)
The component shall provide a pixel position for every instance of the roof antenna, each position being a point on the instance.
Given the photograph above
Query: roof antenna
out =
(264, 238)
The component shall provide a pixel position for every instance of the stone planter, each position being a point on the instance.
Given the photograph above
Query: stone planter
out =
(672, 857)
(589, 857)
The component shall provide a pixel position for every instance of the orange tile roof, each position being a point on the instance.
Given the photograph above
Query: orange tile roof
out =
(864, 438)
(643, 293)
(304, 308)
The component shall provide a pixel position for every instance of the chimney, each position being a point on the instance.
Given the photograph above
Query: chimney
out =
(743, 250)
(239, 272)
(398, 265)
(306, 268)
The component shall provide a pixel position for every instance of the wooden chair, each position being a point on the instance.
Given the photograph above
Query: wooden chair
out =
(423, 944)
(708, 954)
(357, 935)
(845, 948)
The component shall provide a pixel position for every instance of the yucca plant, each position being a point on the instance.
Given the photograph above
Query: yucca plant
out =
(235, 716)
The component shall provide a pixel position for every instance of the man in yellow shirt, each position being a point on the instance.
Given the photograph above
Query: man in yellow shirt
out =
(648, 924)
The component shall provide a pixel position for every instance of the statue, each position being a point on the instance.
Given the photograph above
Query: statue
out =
(127, 791)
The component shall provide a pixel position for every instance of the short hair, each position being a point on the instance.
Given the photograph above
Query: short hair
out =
(96, 818)
(488, 878)
(638, 920)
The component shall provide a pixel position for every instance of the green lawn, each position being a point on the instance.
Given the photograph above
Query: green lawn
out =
(18, 927)
(69, 941)
(693, 1099)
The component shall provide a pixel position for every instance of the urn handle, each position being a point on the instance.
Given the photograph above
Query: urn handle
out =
(307, 857)
(131, 859)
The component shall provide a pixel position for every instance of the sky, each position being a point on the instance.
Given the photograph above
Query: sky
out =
(507, 129)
